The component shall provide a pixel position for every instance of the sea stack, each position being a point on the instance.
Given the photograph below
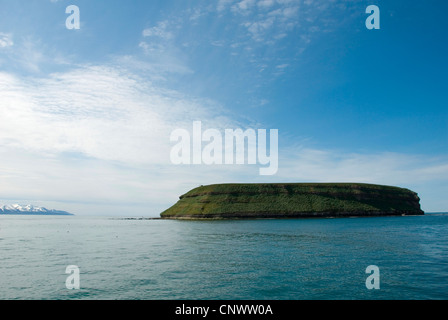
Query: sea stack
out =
(294, 200)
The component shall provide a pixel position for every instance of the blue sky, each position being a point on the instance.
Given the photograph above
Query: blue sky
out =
(87, 114)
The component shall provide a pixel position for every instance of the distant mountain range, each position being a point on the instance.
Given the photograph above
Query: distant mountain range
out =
(31, 210)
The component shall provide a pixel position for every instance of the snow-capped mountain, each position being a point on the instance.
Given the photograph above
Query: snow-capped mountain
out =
(29, 209)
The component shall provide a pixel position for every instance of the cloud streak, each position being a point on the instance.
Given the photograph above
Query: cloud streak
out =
(99, 111)
(5, 40)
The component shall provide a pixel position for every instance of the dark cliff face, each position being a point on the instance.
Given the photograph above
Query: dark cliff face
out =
(294, 201)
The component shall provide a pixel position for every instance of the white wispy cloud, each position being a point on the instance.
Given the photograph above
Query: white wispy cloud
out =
(95, 134)
(160, 31)
(102, 112)
(6, 40)
(162, 46)
(265, 3)
(266, 16)
(244, 7)
(270, 20)
(224, 4)
(29, 54)
(309, 164)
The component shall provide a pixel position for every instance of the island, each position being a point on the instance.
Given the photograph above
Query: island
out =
(16, 209)
(294, 200)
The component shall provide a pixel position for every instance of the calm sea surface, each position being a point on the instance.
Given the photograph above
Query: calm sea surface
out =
(253, 260)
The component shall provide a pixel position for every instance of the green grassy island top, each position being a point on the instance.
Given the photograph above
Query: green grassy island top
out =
(293, 200)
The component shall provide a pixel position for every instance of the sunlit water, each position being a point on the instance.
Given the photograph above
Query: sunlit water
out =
(254, 260)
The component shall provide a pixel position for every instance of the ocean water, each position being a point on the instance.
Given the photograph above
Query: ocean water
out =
(224, 260)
